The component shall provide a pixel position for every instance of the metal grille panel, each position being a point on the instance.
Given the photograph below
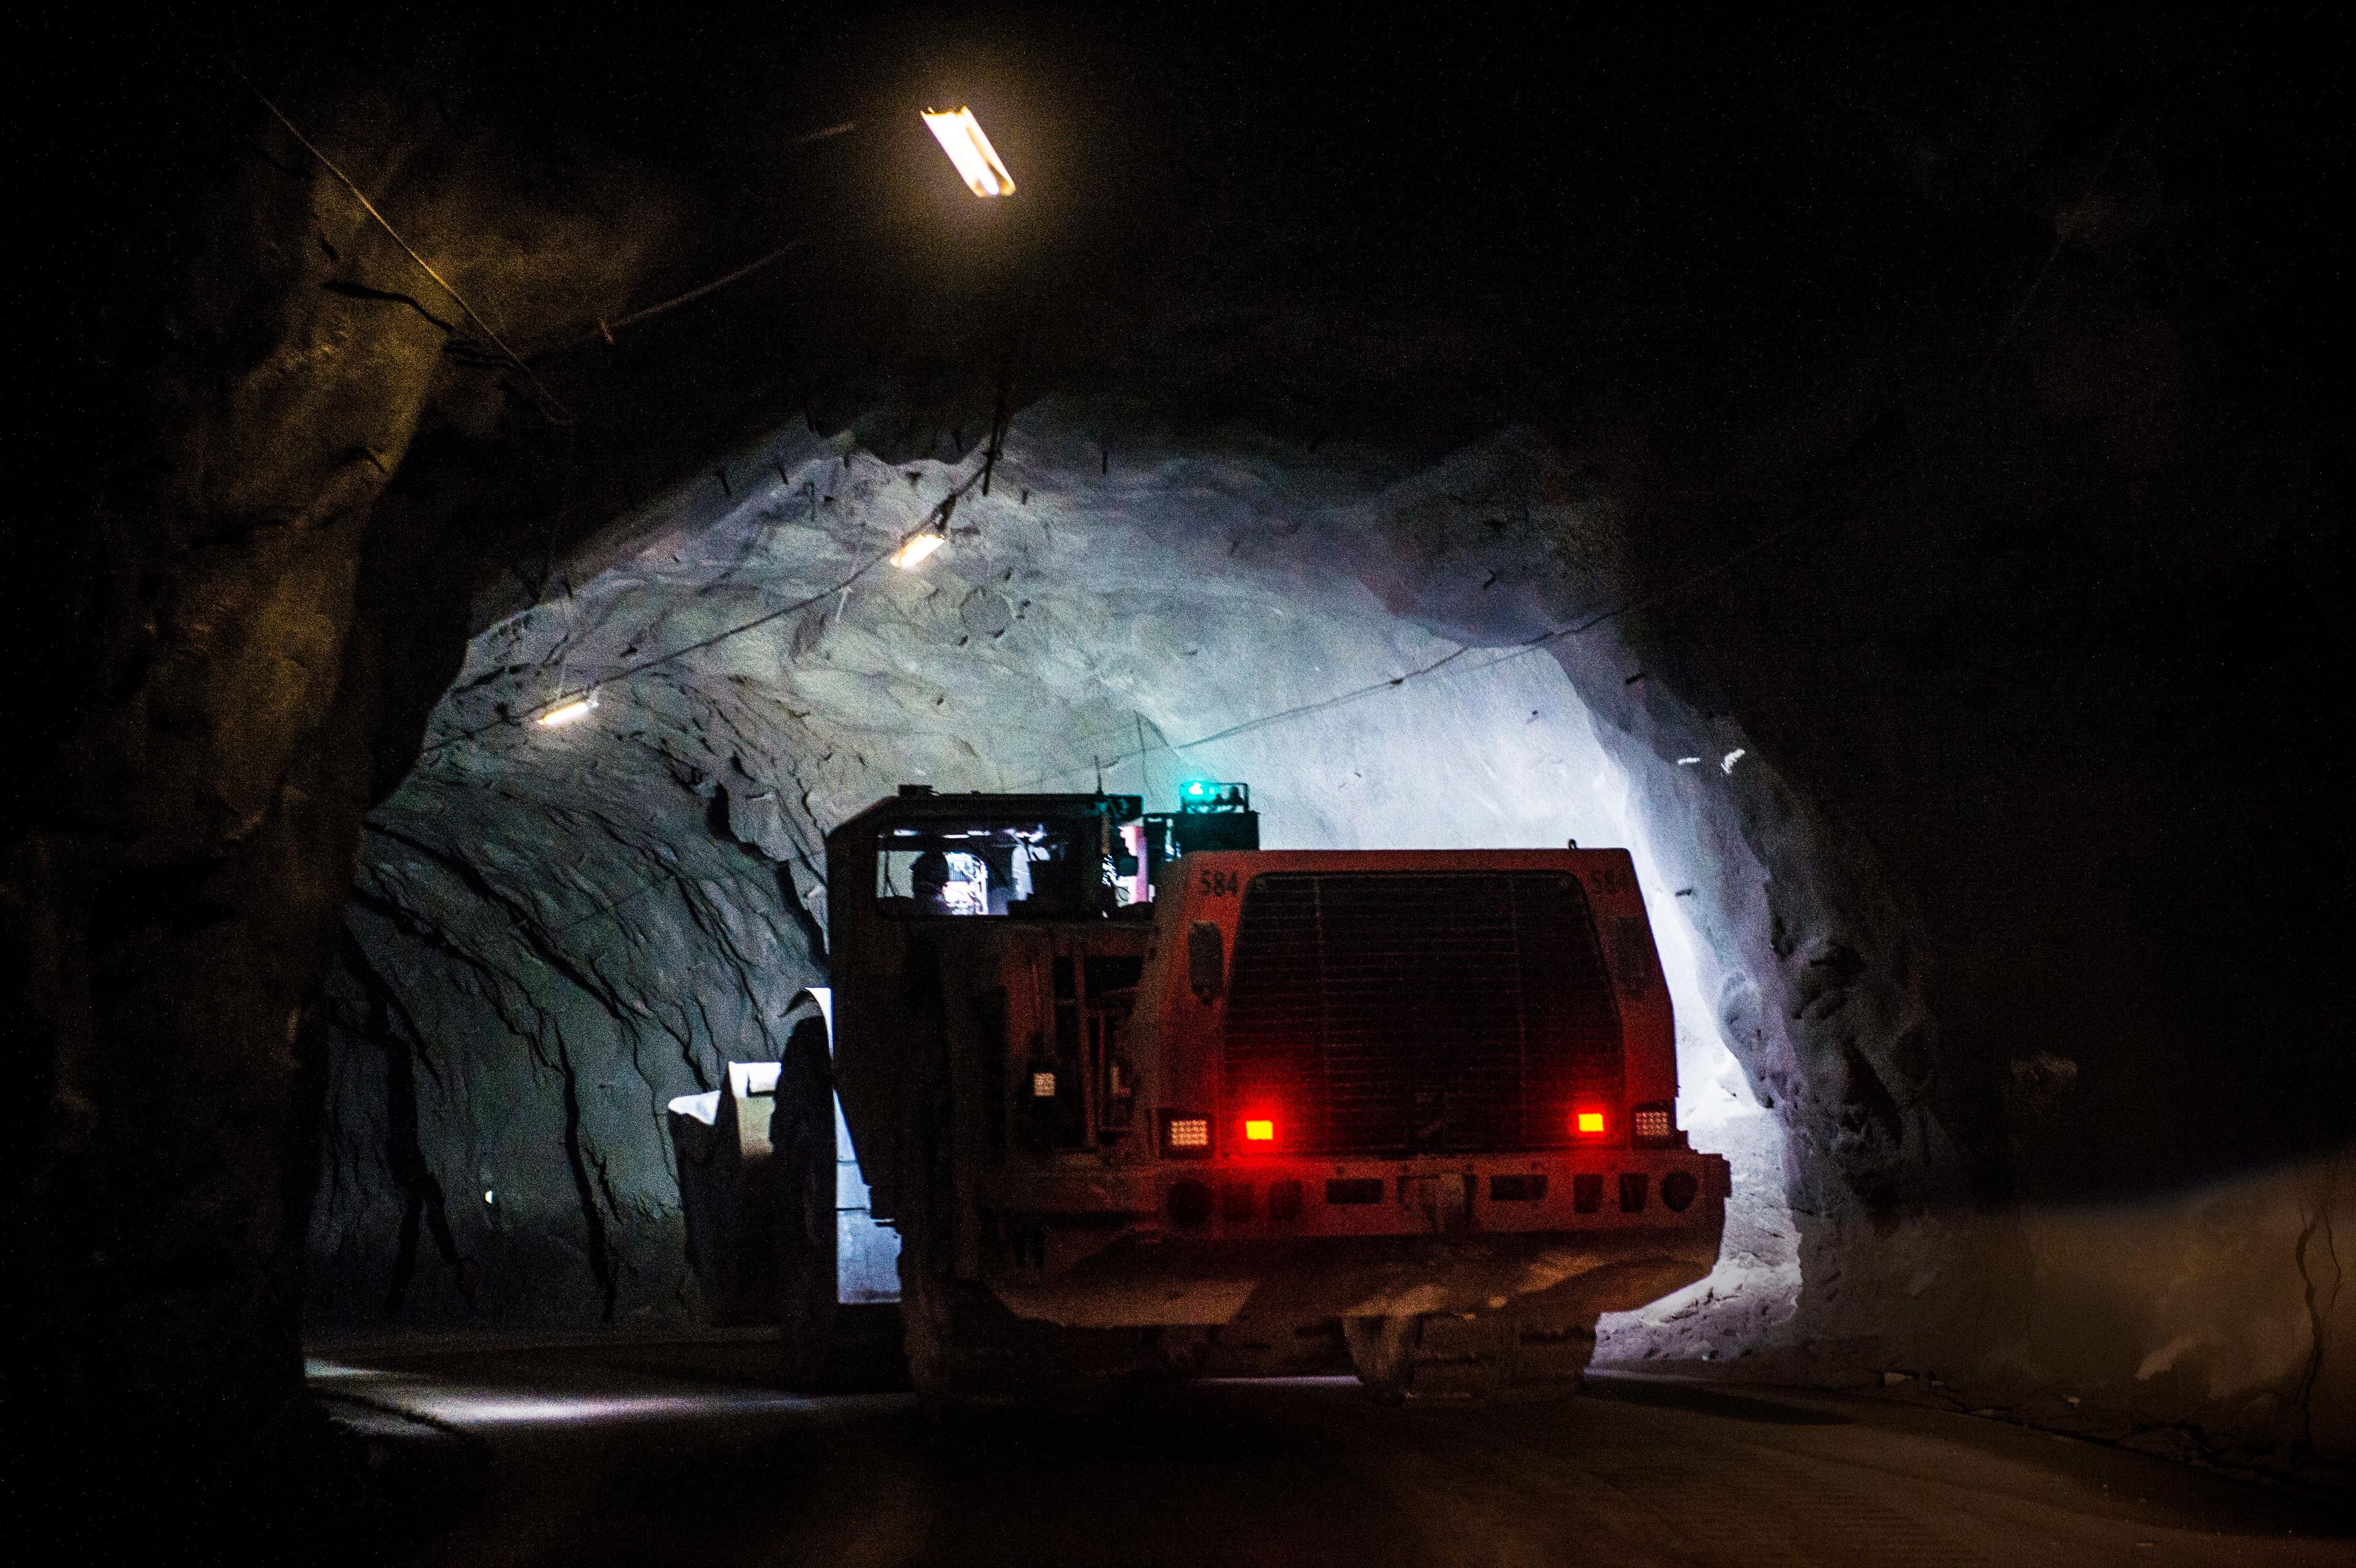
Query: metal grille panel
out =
(1420, 1012)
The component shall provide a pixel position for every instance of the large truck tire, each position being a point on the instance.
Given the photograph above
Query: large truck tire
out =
(963, 1343)
(922, 1218)
(926, 1307)
(1509, 1354)
(805, 1250)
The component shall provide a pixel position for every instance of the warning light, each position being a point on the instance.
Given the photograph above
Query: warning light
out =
(1588, 1124)
(1197, 797)
(1259, 1132)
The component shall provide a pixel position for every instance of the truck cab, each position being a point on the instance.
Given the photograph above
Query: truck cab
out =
(1139, 1093)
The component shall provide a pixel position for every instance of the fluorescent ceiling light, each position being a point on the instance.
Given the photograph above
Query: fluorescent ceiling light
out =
(960, 135)
(915, 550)
(566, 712)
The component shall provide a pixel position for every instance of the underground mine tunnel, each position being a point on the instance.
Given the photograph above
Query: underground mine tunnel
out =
(1823, 546)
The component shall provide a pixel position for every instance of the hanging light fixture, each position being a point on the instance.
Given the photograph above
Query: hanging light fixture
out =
(915, 548)
(960, 135)
(569, 710)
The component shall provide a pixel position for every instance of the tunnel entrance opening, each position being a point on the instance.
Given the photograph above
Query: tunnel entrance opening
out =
(558, 930)
(1998, 329)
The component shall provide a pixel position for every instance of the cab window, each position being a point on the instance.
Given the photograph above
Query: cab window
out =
(984, 868)
(1057, 869)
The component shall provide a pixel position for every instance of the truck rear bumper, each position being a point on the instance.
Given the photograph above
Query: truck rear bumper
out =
(1588, 1232)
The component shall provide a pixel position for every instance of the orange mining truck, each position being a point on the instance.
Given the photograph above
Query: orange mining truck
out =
(1143, 1098)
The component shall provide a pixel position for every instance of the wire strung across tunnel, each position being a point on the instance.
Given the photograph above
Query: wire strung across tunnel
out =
(936, 521)
(556, 410)
(1375, 688)
(603, 331)
(1446, 663)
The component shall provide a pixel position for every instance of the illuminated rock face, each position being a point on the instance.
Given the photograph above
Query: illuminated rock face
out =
(557, 930)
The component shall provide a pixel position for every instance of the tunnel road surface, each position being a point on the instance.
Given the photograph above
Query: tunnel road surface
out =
(677, 1454)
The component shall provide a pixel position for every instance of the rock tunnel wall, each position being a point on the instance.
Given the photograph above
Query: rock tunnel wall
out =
(529, 976)
(555, 931)
(583, 923)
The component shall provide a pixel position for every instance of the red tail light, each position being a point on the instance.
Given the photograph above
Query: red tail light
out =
(1260, 1130)
(1589, 1122)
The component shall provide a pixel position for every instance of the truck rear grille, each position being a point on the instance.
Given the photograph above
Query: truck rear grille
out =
(1439, 1012)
